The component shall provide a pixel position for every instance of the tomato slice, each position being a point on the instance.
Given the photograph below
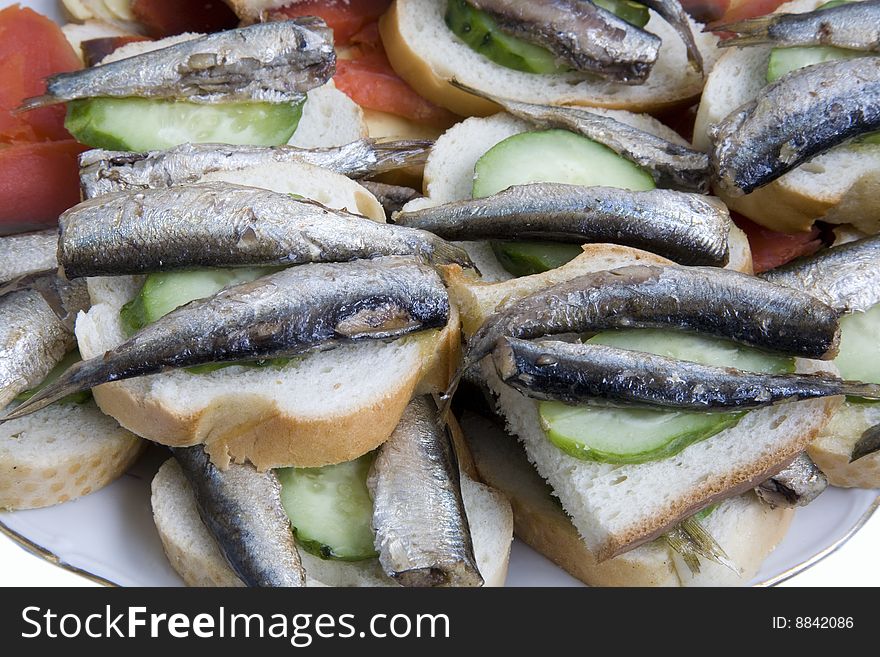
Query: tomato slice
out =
(164, 18)
(38, 181)
(771, 249)
(32, 47)
(726, 11)
(345, 17)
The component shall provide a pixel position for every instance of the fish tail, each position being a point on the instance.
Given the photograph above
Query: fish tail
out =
(35, 102)
(445, 401)
(869, 443)
(859, 389)
(399, 154)
(446, 253)
(79, 377)
(747, 32)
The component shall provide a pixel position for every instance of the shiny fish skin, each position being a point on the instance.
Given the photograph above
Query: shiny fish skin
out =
(36, 331)
(286, 314)
(224, 225)
(802, 114)
(268, 62)
(28, 253)
(607, 376)
(422, 532)
(242, 509)
(846, 277)
(687, 228)
(714, 301)
(853, 25)
(102, 172)
(798, 484)
(582, 35)
(672, 12)
(671, 165)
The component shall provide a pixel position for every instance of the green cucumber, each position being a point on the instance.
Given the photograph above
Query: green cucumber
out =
(330, 509)
(859, 355)
(525, 258)
(63, 365)
(554, 156)
(162, 292)
(481, 33)
(637, 435)
(142, 124)
(550, 156)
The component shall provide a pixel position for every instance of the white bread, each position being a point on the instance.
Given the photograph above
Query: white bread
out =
(425, 53)
(831, 450)
(840, 186)
(744, 527)
(269, 416)
(76, 33)
(595, 495)
(250, 10)
(61, 453)
(194, 554)
(449, 176)
(114, 12)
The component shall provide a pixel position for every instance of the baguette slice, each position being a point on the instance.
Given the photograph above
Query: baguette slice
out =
(744, 527)
(324, 408)
(61, 453)
(840, 186)
(194, 553)
(599, 496)
(425, 53)
(831, 450)
(449, 176)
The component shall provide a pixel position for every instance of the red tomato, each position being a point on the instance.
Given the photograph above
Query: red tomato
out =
(164, 18)
(38, 181)
(726, 11)
(32, 47)
(345, 17)
(771, 249)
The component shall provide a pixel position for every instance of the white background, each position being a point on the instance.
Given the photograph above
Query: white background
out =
(855, 564)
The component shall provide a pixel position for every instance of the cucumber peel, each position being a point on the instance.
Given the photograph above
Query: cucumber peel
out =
(63, 365)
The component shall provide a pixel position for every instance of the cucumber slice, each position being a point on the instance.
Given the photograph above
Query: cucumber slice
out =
(331, 509)
(636, 435)
(481, 33)
(525, 258)
(859, 356)
(164, 291)
(74, 398)
(554, 156)
(142, 124)
(786, 60)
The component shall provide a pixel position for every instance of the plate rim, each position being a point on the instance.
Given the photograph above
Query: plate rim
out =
(49, 556)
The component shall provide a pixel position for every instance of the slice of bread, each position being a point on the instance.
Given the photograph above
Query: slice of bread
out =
(840, 186)
(744, 527)
(449, 176)
(425, 53)
(76, 33)
(115, 12)
(194, 553)
(61, 453)
(250, 10)
(831, 450)
(597, 495)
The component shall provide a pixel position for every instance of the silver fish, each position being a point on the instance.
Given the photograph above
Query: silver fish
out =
(273, 62)
(852, 25)
(285, 314)
(846, 277)
(687, 228)
(36, 331)
(242, 509)
(391, 197)
(28, 253)
(798, 484)
(582, 35)
(691, 540)
(422, 532)
(672, 12)
(868, 443)
(671, 165)
(223, 225)
(102, 172)
(585, 373)
(802, 114)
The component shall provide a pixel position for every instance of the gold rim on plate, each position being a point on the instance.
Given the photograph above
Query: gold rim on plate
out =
(49, 556)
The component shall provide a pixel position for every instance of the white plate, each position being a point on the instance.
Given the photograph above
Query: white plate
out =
(109, 535)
